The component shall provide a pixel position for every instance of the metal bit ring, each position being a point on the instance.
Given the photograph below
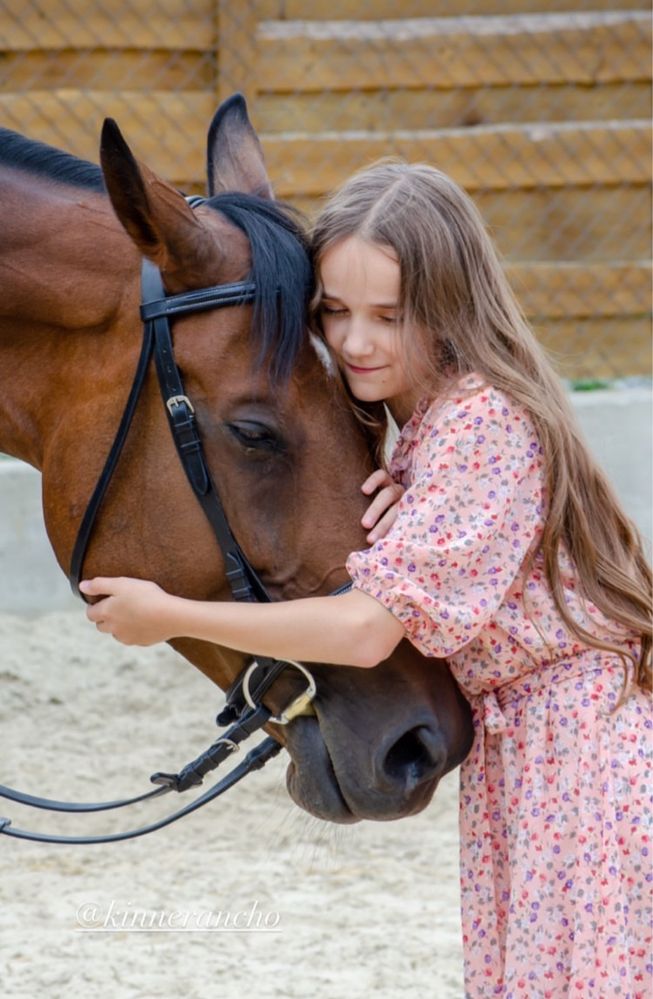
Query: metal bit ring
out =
(296, 707)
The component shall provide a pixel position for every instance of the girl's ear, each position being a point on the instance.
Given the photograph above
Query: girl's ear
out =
(234, 155)
(154, 214)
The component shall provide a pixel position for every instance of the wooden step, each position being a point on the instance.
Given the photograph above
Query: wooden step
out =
(594, 320)
(110, 69)
(598, 348)
(592, 224)
(304, 56)
(139, 24)
(414, 108)
(499, 157)
(579, 290)
(372, 10)
(450, 108)
(529, 49)
(178, 24)
(167, 130)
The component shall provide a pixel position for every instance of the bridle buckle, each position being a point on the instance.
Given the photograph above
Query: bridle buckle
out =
(179, 400)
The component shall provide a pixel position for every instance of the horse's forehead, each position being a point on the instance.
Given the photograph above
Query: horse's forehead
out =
(232, 241)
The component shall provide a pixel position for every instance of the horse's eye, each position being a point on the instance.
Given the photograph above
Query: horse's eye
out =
(255, 436)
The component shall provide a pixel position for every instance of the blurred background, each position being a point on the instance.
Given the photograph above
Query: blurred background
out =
(539, 108)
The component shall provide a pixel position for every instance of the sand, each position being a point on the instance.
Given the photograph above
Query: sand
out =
(249, 896)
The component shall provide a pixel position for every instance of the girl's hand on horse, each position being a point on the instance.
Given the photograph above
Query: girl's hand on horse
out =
(382, 511)
(134, 611)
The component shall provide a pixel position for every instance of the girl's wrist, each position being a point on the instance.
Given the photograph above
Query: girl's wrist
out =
(176, 612)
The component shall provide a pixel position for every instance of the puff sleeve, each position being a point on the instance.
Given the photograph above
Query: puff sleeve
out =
(470, 513)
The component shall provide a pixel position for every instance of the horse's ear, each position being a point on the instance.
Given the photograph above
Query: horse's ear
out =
(234, 156)
(154, 214)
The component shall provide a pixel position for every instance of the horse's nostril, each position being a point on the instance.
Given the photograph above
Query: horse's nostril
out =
(416, 756)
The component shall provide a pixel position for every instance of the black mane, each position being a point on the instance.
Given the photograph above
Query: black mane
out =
(281, 269)
(37, 157)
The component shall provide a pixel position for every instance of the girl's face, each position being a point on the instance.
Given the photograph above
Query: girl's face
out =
(361, 322)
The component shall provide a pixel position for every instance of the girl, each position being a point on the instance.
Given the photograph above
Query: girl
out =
(507, 553)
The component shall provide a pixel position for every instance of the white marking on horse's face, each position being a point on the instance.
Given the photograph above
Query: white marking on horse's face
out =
(323, 353)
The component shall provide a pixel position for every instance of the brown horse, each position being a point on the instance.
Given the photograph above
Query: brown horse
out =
(285, 451)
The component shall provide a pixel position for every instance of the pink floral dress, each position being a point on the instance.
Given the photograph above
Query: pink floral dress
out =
(555, 803)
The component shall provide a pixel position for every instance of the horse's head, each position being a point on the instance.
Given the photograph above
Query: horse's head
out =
(288, 458)
(285, 451)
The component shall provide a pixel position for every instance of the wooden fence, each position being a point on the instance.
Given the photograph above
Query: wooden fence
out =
(543, 117)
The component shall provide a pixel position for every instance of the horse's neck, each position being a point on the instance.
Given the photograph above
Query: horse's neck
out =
(64, 265)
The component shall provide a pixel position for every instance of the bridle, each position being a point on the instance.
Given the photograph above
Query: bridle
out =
(244, 711)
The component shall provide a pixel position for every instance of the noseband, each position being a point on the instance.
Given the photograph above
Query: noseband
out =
(244, 711)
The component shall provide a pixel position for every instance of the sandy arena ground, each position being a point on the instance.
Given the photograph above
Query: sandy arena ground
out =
(352, 912)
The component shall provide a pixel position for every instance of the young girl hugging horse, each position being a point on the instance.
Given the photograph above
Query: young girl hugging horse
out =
(495, 542)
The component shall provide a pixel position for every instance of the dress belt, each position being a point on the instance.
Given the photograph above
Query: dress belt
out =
(490, 704)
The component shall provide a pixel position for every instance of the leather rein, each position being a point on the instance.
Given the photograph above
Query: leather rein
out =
(244, 711)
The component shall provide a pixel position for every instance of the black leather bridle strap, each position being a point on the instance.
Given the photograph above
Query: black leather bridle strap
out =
(189, 776)
(218, 295)
(254, 760)
(95, 502)
(193, 773)
(52, 805)
(242, 579)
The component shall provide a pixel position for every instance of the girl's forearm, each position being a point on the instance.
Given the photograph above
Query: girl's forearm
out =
(351, 629)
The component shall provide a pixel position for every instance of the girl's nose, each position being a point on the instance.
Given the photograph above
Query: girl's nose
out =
(357, 343)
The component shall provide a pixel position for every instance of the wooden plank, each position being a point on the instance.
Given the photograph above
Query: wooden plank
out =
(565, 290)
(166, 130)
(461, 52)
(488, 157)
(431, 108)
(589, 223)
(238, 51)
(100, 70)
(598, 348)
(362, 10)
(76, 24)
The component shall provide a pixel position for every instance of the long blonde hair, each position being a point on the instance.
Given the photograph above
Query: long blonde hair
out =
(463, 317)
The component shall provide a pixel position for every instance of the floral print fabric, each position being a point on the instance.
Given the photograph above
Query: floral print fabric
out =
(555, 807)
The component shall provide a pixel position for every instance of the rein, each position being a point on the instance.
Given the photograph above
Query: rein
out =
(243, 711)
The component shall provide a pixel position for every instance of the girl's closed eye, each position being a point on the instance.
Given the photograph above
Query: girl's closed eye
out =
(333, 310)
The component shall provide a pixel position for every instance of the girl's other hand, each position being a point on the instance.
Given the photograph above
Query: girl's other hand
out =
(134, 611)
(382, 511)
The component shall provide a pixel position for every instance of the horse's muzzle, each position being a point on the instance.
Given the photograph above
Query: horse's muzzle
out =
(393, 779)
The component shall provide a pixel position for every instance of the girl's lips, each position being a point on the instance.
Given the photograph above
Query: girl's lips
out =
(362, 371)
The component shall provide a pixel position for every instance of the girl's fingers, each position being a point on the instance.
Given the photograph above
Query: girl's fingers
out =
(134, 612)
(95, 612)
(374, 510)
(374, 481)
(99, 586)
(387, 498)
(383, 526)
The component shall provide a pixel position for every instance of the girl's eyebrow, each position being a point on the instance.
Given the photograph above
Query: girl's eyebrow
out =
(377, 305)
